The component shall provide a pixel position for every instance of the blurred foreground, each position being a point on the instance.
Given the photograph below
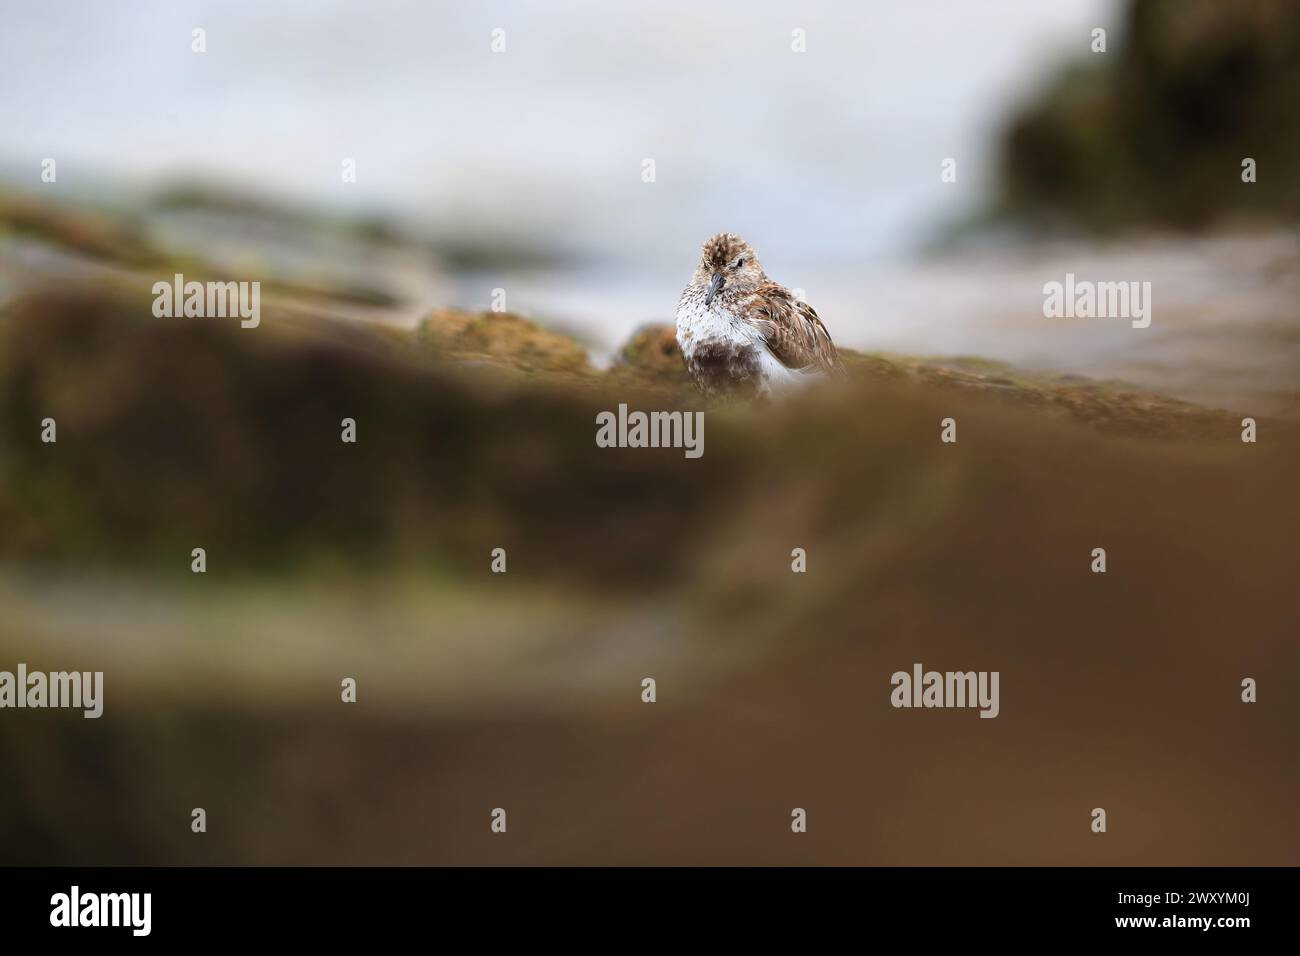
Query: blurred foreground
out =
(522, 690)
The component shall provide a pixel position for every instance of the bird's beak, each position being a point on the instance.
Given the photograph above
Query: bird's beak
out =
(714, 286)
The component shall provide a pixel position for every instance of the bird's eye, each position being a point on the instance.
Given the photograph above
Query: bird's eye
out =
(739, 262)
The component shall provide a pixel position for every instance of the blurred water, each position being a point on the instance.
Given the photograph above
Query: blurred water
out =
(829, 155)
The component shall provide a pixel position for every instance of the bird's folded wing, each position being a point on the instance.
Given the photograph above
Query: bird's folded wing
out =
(792, 330)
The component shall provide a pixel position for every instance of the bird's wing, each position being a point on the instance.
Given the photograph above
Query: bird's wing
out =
(792, 330)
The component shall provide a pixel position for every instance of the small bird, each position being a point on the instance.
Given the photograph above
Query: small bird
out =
(742, 334)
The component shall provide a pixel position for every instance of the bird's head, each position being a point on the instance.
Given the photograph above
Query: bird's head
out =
(728, 264)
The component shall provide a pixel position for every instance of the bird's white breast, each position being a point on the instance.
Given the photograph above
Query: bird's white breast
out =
(699, 325)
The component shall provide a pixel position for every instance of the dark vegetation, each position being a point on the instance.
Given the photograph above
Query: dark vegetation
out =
(1154, 131)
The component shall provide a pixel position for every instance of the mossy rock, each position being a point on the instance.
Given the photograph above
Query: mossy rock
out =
(503, 339)
(96, 235)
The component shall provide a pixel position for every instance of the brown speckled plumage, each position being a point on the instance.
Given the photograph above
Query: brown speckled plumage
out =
(740, 332)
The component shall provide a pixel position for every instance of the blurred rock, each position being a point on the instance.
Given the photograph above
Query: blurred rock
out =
(474, 430)
(95, 235)
(503, 339)
(1155, 130)
(653, 348)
